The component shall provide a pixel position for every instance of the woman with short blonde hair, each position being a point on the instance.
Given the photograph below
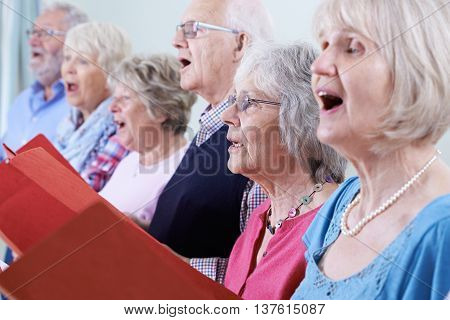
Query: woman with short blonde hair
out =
(382, 82)
(92, 50)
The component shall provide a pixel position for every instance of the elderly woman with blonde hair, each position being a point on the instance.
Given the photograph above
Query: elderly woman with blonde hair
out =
(91, 52)
(151, 112)
(382, 83)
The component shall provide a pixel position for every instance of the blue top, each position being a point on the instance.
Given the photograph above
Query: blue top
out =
(413, 266)
(81, 141)
(30, 115)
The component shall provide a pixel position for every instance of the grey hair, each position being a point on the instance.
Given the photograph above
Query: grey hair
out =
(251, 17)
(108, 43)
(156, 81)
(282, 72)
(73, 15)
(417, 49)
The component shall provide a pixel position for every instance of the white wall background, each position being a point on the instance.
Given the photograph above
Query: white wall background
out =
(151, 24)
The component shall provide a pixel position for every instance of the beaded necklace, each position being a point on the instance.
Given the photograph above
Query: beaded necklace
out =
(295, 211)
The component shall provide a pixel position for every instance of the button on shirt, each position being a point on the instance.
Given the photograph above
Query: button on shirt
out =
(31, 115)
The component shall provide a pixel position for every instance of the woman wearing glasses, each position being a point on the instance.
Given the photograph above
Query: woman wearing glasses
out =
(85, 138)
(272, 123)
(383, 87)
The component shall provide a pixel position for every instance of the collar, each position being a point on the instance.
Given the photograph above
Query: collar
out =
(210, 118)
(57, 86)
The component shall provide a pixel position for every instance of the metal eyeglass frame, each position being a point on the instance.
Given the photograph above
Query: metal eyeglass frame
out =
(196, 25)
(44, 32)
(232, 99)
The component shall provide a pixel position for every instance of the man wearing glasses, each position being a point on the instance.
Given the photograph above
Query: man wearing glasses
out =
(204, 207)
(39, 108)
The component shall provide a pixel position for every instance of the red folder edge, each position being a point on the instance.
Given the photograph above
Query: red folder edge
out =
(101, 254)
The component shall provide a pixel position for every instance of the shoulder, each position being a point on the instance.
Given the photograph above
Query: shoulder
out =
(421, 270)
(22, 98)
(433, 222)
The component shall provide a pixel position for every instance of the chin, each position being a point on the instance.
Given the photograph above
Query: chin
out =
(187, 84)
(234, 167)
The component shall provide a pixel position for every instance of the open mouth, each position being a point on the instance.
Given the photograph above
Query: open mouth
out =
(184, 62)
(329, 101)
(235, 144)
(119, 124)
(71, 87)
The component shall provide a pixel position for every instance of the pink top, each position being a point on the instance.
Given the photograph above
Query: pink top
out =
(283, 265)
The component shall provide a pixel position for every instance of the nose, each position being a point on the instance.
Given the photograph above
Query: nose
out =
(67, 67)
(230, 116)
(324, 65)
(179, 41)
(34, 40)
(114, 106)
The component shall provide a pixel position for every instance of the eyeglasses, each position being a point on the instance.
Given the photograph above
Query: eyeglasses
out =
(191, 28)
(244, 101)
(44, 33)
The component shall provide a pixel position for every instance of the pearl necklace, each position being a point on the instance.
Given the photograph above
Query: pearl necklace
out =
(389, 202)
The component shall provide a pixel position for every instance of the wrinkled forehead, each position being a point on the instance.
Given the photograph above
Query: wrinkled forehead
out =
(209, 11)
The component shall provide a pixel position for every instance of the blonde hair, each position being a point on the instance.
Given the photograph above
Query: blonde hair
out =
(414, 38)
(109, 44)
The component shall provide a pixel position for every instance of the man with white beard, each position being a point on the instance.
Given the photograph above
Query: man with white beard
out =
(40, 107)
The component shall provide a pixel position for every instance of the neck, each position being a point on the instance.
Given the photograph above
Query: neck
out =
(48, 90)
(382, 176)
(85, 114)
(286, 190)
(217, 96)
(167, 145)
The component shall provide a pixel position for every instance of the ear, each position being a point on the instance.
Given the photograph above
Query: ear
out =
(160, 118)
(242, 42)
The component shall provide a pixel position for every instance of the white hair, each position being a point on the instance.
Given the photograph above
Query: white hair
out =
(109, 44)
(251, 17)
(283, 73)
(73, 15)
(414, 38)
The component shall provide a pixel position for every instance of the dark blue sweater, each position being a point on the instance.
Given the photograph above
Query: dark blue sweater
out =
(197, 214)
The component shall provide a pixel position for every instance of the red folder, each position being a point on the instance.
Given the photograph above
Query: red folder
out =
(101, 254)
(38, 194)
(78, 246)
(40, 141)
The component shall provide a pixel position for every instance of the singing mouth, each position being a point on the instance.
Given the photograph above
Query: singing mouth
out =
(184, 62)
(329, 101)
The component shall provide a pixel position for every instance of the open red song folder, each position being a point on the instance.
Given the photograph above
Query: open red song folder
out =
(101, 254)
(39, 192)
(75, 245)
